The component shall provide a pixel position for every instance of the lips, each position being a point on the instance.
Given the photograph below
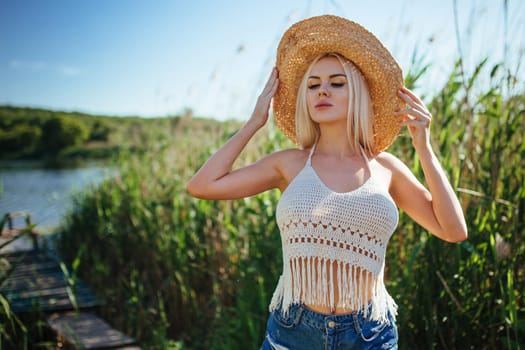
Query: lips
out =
(323, 104)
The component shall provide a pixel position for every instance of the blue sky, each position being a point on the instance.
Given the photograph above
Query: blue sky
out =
(158, 57)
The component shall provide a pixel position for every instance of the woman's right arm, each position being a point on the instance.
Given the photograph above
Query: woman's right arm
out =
(216, 180)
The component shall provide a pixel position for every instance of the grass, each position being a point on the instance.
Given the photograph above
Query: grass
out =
(178, 272)
(182, 273)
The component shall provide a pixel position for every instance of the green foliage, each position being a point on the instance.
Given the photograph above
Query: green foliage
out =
(61, 132)
(14, 331)
(468, 295)
(30, 133)
(183, 273)
(100, 131)
(19, 141)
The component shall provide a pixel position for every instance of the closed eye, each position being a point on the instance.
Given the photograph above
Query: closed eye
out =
(335, 85)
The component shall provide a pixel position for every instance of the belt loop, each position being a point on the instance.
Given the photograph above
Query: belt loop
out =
(357, 325)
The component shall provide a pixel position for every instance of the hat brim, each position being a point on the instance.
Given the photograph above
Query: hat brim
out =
(307, 39)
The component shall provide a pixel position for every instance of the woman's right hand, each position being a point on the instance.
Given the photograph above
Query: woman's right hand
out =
(216, 179)
(261, 110)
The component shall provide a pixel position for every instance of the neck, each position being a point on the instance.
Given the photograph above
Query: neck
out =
(335, 146)
(333, 140)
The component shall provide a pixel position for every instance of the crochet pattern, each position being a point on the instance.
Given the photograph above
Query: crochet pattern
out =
(334, 245)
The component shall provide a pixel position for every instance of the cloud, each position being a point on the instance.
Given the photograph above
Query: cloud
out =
(33, 66)
(68, 71)
(40, 66)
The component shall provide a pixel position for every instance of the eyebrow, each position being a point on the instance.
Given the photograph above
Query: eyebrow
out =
(331, 76)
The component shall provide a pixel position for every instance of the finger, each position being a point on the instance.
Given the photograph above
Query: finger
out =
(270, 81)
(414, 123)
(416, 105)
(414, 112)
(275, 85)
(411, 99)
(270, 90)
(273, 81)
(412, 105)
(412, 95)
(417, 116)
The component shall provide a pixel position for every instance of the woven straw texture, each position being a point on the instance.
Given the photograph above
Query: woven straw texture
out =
(307, 39)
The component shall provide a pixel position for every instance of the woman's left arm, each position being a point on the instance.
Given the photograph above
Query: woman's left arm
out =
(438, 208)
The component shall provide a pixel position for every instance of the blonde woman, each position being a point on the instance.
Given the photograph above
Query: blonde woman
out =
(338, 94)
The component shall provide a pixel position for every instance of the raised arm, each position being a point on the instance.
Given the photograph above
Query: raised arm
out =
(216, 180)
(438, 208)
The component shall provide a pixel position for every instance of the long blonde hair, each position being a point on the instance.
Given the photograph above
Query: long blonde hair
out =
(360, 119)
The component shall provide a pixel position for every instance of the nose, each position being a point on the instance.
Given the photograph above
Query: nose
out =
(323, 90)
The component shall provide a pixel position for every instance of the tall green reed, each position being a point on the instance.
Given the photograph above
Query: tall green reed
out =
(470, 296)
(18, 331)
(172, 267)
(11, 327)
(154, 250)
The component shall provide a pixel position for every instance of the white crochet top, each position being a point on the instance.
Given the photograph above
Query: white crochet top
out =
(330, 237)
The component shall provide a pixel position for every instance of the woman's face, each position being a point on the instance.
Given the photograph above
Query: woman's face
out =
(327, 91)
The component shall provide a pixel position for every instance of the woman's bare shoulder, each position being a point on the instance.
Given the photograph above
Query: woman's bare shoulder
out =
(290, 162)
(289, 155)
(389, 161)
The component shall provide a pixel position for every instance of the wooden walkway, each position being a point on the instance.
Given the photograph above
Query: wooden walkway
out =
(34, 281)
(37, 283)
(89, 330)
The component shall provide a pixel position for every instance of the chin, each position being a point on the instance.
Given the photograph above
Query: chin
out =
(327, 117)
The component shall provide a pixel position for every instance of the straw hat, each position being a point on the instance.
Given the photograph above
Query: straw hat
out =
(309, 38)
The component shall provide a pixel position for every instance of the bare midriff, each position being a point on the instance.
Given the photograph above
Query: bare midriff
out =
(324, 309)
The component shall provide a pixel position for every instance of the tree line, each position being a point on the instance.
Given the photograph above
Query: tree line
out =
(33, 133)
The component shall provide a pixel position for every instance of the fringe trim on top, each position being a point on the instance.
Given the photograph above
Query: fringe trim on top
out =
(311, 280)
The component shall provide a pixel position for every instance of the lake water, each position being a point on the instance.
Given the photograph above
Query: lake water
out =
(44, 193)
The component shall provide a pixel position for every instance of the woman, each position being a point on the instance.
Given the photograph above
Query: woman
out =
(339, 95)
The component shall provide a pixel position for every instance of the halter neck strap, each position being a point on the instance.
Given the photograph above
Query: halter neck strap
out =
(309, 162)
(367, 161)
(363, 153)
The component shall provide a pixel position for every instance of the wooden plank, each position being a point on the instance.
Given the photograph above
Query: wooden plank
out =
(43, 278)
(26, 243)
(50, 304)
(87, 331)
(45, 284)
(35, 282)
(38, 283)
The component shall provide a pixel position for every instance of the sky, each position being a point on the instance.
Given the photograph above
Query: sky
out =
(161, 58)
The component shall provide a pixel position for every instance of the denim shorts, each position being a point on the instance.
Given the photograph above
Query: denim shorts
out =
(304, 329)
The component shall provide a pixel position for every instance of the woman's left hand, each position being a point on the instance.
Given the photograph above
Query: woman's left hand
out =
(417, 118)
